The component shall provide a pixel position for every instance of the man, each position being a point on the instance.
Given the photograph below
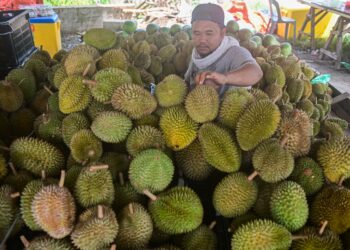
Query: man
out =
(218, 60)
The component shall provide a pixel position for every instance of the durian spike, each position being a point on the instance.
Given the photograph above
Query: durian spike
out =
(89, 82)
(4, 148)
(323, 227)
(299, 237)
(150, 195)
(131, 209)
(48, 90)
(253, 175)
(15, 195)
(43, 175)
(87, 69)
(63, 176)
(24, 240)
(98, 167)
(13, 169)
(121, 179)
(114, 247)
(100, 212)
(212, 225)
(341, 180)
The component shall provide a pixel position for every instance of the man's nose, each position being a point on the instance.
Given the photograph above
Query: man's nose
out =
(202, 38)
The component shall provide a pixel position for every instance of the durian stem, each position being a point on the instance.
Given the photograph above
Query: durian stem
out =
(100, 212)
(31, 133)
(43, 175)
(15, 195)
(48, 90)
(341, 180)
(299, 237)
(13, 169)
(212, 225)
(63, 176)
(131, 209)
(4, 148)
(21, 81)
(98, 59)
(114, 247)
(98, 167)
(6, 83)
(91, 153)
(47, 108)
(89, 82)
(253, 175)
(24, 240)
(284, 140)
(45, 118)
(121, 179)
(150, 195)
(87, 69)
(276, 99)
(323, 227)
(181, 174)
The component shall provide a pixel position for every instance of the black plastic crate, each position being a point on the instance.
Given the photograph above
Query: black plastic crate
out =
(16, 39)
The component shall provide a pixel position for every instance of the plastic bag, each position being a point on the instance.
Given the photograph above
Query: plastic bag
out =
(323, 79)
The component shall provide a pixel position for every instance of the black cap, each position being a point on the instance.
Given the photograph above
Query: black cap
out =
(209, 12)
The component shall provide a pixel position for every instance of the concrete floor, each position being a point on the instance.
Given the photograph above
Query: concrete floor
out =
(340, 79)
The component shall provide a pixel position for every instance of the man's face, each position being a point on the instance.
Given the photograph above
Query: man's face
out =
(206, 36)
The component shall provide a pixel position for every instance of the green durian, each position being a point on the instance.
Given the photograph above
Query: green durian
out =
(219, 148)
(112, 127)
(234, 195)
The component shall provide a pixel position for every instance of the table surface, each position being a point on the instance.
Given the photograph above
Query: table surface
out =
(337, 7)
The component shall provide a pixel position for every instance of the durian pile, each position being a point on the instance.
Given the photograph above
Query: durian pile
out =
(98, 146)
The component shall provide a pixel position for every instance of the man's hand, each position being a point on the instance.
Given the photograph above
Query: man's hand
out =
(218, 78)
(214, 79)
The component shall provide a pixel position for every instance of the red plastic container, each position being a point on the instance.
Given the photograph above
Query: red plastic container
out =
(14, 4)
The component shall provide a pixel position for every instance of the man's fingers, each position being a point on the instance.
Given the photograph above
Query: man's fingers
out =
(196, 79)
(203, 76)
(210, 76)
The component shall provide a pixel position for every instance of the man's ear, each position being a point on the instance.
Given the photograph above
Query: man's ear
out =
(223, 31)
